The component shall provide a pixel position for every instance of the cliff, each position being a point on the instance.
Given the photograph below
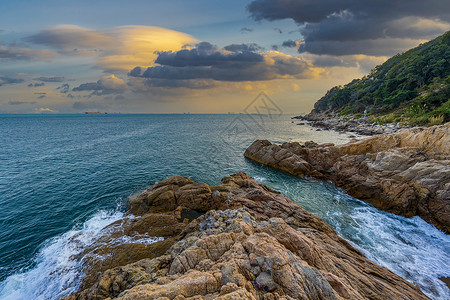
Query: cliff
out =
(237, 240)
(406, 173)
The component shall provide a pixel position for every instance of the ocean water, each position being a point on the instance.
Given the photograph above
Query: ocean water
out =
(65, 177)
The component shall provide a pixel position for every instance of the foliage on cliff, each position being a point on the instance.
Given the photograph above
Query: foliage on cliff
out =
(411, 87)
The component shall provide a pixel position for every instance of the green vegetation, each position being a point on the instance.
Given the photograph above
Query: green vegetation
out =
(412, 88)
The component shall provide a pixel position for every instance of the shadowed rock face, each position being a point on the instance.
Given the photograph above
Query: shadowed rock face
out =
(406, 173)
(250, 242)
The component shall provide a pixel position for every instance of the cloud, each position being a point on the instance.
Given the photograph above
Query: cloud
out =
(9, 80)
(36, 84)
(205, 54)
(138, 46)
(44, 110)
(245, 29)
(376, 47)
(20, 102)
(64, 88)
(175, 83)
(10, 53)
(243, 47)
(71, 39)
(348, 27)
(41, 95)
(109, 84)
(50, 79)
(290, 44)
(206, 61)
(115, 49)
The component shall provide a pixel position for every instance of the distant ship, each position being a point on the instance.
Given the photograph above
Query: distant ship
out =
(92, 113)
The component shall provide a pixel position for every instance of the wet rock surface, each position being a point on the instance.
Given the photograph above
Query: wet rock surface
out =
(243, 240)
(406, 173)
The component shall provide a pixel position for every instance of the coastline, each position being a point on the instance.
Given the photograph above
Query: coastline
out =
(323, 199)
(361, 126)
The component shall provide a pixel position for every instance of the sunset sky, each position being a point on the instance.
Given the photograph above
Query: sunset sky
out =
(199, 56)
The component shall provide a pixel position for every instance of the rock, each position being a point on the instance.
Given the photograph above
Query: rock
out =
(261, 245)
(406, 173)
(360, 126)
(264, 282)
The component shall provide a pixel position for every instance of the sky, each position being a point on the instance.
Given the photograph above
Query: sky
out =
(198, 56)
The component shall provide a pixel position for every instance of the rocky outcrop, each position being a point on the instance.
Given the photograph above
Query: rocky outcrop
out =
(406, 173)
(237, 240)
(360, 125)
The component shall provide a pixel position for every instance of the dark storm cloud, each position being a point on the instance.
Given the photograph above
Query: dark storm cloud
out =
(50, 79)
(90, 86)
(289, 44)
(243, 47)
(323, 23)
(378, 47)
(9, 80)
(36, 84)
(205, 54)
(136, 72)
(207, 61)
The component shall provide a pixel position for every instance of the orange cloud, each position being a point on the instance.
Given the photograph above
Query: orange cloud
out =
(116, 49)
(137, 46)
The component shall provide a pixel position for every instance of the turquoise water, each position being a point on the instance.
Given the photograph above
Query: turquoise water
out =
(65, 177)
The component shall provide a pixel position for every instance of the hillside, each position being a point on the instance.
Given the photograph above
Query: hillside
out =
(411, 87)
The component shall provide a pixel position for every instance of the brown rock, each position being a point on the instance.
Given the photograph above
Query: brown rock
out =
(406, 173)
(258, 245)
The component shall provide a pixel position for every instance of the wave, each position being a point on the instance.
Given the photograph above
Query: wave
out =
(57, 270)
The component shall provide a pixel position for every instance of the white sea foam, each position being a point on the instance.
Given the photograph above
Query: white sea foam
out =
(57, 273)
(260, 179)
(411, 248)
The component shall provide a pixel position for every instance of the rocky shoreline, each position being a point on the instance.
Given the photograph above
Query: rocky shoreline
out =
(361, 126)
(406, 173)
(237, 240)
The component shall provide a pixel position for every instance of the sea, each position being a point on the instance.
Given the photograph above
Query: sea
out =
(63, 178)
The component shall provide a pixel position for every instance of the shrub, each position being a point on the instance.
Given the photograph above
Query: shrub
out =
(436, 120)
